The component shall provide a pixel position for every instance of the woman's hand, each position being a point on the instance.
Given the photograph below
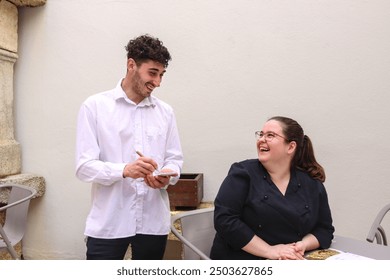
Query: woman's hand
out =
(259, 247)
(300, 247)
(286, 252)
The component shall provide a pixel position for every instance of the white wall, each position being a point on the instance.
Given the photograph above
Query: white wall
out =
(235, 63)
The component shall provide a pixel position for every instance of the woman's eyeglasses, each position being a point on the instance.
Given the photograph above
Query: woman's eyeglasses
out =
(268, 136)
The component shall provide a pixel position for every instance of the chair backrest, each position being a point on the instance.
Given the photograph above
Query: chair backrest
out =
(16, 214)
(197, 232)
(377, 232)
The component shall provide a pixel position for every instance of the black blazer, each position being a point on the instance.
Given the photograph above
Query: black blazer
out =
(248, 203)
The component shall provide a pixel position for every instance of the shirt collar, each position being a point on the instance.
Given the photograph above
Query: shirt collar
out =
(119, 93)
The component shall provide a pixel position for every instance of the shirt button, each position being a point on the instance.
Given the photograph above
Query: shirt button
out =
(307, 206)
(266, 197)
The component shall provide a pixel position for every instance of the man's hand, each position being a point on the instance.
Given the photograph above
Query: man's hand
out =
(158, 182)
(140, 168)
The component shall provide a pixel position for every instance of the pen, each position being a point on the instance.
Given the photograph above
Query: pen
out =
(139, 153)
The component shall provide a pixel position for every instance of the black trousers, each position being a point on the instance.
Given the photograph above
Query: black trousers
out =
(143, 247)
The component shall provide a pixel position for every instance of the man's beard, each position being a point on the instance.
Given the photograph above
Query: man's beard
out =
(138, 86)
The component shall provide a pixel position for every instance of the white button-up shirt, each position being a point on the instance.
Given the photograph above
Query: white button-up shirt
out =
(111, 128)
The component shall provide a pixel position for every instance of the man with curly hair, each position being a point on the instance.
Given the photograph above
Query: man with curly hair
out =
(125, 138)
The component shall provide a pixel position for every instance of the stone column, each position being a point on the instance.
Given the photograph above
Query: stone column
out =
(9, 149)
(10, 152)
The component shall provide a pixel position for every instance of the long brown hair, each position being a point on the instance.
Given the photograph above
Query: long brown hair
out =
(304, 158)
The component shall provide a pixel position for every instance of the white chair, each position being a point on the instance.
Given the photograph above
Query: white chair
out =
(12, 232)
(377, 232)
(197, 232)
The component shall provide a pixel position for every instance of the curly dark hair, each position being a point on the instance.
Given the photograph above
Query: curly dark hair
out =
(146, 47)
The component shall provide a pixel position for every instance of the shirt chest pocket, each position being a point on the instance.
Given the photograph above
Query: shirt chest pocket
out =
(155, 141)
(154, 134)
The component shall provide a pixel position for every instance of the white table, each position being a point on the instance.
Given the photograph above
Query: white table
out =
(359, 247)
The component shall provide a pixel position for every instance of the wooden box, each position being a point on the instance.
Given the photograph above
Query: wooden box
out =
(188, 191)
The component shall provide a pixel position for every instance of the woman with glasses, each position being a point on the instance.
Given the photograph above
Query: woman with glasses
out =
(275, 206)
